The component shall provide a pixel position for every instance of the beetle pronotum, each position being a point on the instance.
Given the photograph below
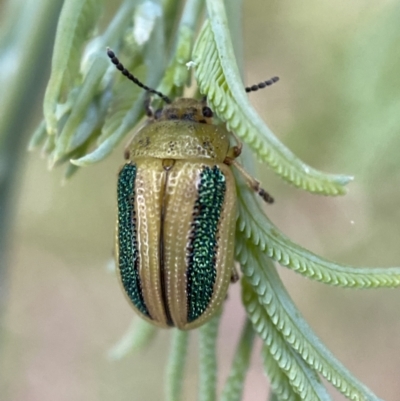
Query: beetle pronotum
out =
(177, 211)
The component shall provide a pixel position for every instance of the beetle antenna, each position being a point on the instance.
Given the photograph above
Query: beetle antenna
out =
(125, 72)
(261, 85)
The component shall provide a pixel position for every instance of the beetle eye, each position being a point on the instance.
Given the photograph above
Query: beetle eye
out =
(207, 112)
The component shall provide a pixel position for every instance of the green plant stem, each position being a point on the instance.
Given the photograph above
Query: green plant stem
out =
(208, 359)
(176, 365)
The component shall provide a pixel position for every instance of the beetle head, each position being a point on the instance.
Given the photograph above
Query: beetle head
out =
(187, 110)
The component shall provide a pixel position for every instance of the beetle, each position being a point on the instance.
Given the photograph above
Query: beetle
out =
(177, 212)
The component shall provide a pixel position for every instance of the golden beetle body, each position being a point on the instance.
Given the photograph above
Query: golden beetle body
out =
(177, 212)
(176, 218)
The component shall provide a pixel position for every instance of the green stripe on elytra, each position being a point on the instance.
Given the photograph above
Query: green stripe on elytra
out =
(127, 237)
(201, 274)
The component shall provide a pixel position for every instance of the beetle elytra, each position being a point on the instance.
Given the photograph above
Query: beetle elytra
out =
(177, 212)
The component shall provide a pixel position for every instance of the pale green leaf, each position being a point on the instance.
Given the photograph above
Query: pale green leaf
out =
(38, 136)
(299, 376)
(146, 16)
(71, 169)
(153, 54)
(275, 301)
(177, 74)
(258, 230)
(91, 104)
(218, 78)
(107, 146)
(92, 121)
(124, 97)
(88, 90)
(76, 23)
(69, 172)
(280, 385)
(48, 146)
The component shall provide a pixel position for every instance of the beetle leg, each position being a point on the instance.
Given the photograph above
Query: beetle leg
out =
(237, 150)
(127, 154)
(234, 151)
(234, 275)
(234, 278)
(251, 181)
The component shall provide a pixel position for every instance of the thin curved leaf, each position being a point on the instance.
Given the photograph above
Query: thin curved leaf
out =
(107, 146)
(76, 23)
(259, 231)
(218, 77)
(38, 136)
(303, 379)
(124, 97)
(153, 55)
(177, 74)
(280, 385)
(79, 112)
(275, 301)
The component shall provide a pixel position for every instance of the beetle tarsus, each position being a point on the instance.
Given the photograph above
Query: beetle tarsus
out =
(262, 192)
(266, 196)
(127, 154)
(251, 181)
(234, 276)
(237, 150)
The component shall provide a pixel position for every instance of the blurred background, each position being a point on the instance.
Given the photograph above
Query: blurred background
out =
(337, 107)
